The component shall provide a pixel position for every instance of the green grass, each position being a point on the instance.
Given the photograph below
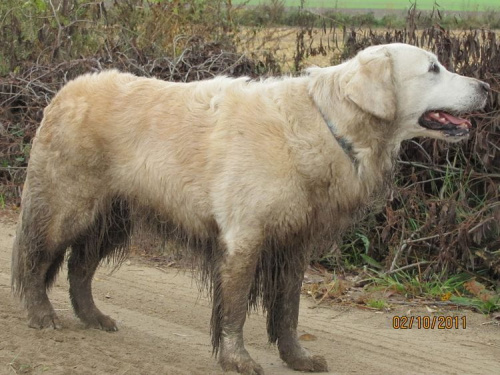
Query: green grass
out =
(410, 285)
(486, 306)
(460, 289)
(379, 304)
(455, 5)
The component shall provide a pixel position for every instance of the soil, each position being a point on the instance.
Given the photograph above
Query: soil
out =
(164, 329)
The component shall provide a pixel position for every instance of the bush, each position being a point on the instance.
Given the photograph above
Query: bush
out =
(40, 32)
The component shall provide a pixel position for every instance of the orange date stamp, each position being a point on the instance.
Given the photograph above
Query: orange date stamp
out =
(429, 322)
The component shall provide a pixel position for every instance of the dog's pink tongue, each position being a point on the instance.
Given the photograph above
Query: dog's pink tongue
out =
(455, 120)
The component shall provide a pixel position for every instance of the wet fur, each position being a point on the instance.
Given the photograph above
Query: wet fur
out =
(244, 175)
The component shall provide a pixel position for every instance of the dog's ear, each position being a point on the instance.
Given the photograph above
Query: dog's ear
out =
(371, 86)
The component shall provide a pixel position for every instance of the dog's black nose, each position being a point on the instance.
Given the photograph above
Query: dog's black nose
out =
(485, 86)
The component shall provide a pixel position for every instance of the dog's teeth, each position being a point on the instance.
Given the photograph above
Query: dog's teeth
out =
(435, 116)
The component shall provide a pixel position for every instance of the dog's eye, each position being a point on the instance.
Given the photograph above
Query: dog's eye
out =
(434, 68)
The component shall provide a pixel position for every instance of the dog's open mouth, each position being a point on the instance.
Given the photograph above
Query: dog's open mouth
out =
(446, 123)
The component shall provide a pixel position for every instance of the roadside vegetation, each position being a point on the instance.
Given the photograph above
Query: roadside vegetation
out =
(438, 235)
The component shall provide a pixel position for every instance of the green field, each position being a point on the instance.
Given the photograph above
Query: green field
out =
(455, 5)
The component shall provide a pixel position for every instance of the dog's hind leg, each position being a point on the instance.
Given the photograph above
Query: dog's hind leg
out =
(108, 237)
(53, 217)
(232, 288)
(36, 260)
(282, 304)
(33, 274)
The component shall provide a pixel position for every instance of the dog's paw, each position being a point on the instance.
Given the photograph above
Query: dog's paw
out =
(241, 363)
(315, 363)
(299, 359)
(41, 321)
(100, 321)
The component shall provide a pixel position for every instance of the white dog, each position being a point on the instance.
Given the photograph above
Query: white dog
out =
(252, 175)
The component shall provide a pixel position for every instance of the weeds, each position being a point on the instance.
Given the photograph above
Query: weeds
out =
(412, 285)
(378, 304)
(460, 289)
(483, 300)
(382, 290)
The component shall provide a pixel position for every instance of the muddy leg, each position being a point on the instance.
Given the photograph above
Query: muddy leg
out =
(85, 257)
(282, 322)
(236, 275)
(41, 314)
(80, 274)
(35, 264)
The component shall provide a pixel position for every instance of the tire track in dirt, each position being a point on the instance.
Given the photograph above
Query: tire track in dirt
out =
(164, 328)
(410, 352)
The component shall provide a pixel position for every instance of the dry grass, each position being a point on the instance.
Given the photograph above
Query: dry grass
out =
(281, 43)
(322, 46)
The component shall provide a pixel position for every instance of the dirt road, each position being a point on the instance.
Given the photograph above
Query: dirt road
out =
(164, 330)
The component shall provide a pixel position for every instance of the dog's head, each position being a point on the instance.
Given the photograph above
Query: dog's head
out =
(430, 99)
(407, 86)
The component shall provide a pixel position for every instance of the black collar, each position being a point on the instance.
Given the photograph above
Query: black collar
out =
(342, 141)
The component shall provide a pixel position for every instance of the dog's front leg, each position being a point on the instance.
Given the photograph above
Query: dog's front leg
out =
(237, 273)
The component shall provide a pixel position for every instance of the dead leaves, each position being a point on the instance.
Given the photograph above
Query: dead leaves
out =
(331, 290)
(479, 290)
(307, 337)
